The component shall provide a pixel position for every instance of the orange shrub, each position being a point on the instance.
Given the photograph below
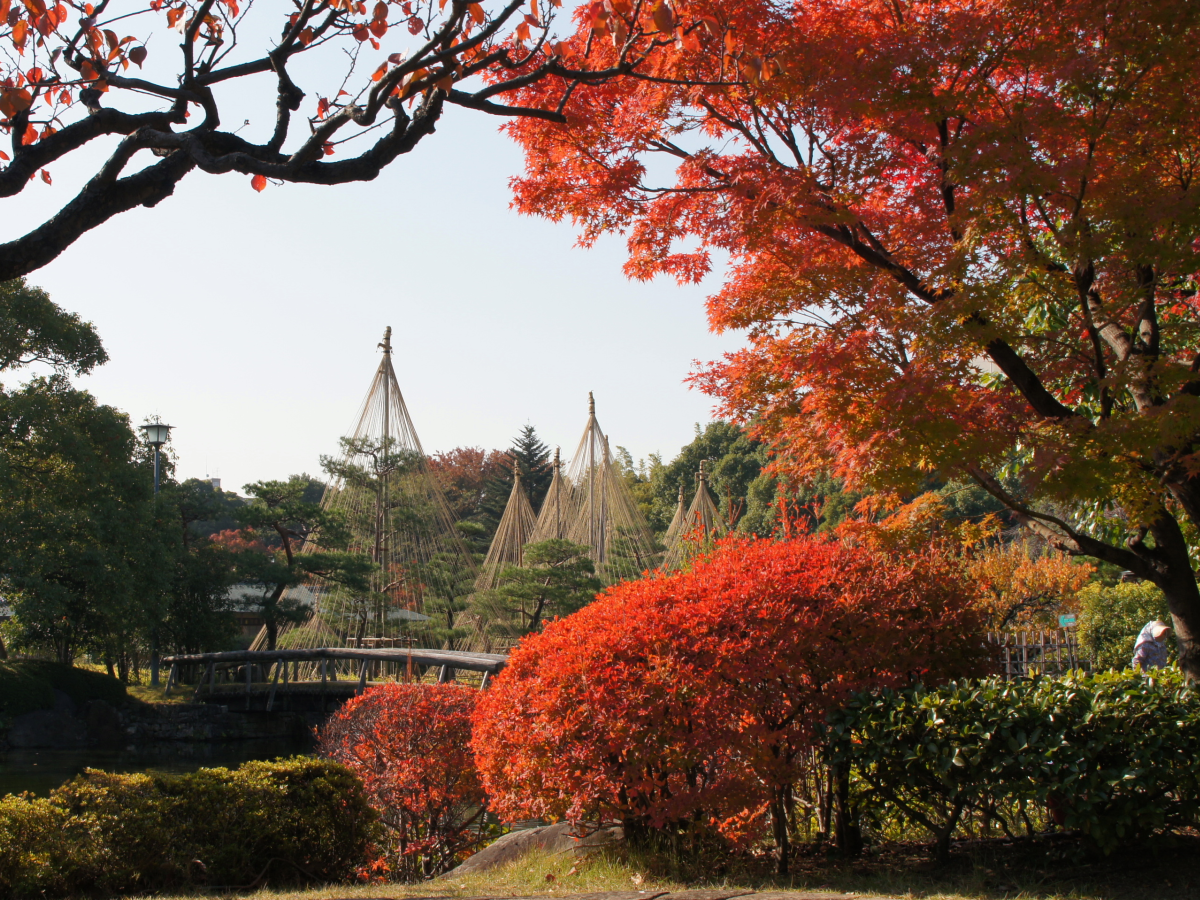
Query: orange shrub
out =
(409, 743)
(687, 700)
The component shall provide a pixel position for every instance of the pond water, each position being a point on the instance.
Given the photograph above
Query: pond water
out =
(40, 771)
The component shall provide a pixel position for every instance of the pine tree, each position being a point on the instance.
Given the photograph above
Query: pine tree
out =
(557, 579)
(534, 459)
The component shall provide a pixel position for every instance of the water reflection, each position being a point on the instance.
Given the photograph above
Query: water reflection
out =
(40, 771)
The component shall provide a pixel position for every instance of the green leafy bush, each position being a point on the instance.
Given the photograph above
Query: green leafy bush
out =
(1110, 755)
(288, 820)
(1110, 618)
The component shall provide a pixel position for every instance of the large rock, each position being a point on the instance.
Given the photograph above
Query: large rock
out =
(553, 839)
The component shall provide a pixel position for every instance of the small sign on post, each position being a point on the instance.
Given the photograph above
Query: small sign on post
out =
(1066, 621)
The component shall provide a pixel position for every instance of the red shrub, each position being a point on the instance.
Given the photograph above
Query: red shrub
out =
(689, 698)
(409, 743)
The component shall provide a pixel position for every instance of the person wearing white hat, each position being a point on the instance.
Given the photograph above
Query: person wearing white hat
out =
(1150, 651)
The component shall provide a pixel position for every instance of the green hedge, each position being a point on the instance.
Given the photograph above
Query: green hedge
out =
(287, 821)
(29, 684)
(1112, 756)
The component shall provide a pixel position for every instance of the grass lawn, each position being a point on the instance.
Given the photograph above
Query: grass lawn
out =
(147, 694)
(1165, 871)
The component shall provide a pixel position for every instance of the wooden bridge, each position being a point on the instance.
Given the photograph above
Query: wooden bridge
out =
(308, 679)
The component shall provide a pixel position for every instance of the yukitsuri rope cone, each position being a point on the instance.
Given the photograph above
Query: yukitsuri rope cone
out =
(552, 521)
(677, 520)
(591, 505)
(508, 548)
(398, 515)
(702, 521)
(512, 534)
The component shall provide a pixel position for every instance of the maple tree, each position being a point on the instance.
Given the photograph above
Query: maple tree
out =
(73, 77)
(464, 473)
(409, 743)
(1017, 583)
(690, 700)
(1020, 587)
(963, 240)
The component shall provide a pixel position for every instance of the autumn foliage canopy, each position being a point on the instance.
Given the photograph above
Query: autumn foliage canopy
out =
(690, 699)
(409, 743)
(964, 239)
(152, 81)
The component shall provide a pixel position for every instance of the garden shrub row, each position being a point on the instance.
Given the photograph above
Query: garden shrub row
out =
(286, 821)
(711, 699)
(1111, 755)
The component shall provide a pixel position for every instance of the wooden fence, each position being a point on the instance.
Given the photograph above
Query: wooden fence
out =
(1022, 653)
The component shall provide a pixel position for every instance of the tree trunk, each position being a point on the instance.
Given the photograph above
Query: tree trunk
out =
(3, 649)
(269, 618)
(779, 824)
(1185, 617)
(1178, 584)
(847, 837)
(942, 847)
(825, 802)
(636, 831)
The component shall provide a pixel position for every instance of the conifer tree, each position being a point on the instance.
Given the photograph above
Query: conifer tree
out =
(533, 458)
(557, 579)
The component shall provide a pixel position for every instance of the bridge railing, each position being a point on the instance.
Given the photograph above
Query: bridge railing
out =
(317, 669)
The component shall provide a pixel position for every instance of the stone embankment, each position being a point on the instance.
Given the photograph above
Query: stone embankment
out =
(98, 724)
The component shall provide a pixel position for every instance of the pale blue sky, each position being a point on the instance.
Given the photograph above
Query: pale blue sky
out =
(250, 322)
